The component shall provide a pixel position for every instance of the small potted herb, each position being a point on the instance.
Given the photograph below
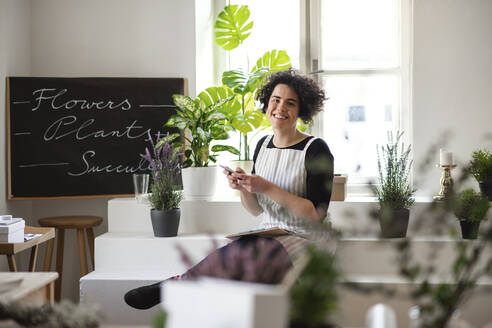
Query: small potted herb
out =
(395, 195)
(164, 162)
(481, 168)
(470, 209)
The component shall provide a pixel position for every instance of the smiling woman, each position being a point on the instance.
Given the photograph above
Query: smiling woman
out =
(287, 188)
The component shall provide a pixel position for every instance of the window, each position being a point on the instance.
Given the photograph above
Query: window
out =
(358, 54)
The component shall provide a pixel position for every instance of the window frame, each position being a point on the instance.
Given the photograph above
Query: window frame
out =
(310, 63)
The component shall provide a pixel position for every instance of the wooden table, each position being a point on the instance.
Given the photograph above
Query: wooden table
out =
(29, 288)
(10, 249)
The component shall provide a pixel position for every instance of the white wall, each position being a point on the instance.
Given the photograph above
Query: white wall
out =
(15, 57)
(118, 38)
(452, 82)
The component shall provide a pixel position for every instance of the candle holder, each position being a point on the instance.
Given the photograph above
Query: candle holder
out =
(446, 182)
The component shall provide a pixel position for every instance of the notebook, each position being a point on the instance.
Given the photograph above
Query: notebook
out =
(267, 232)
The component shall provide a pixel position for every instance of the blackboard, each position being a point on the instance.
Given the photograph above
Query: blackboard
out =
(81, 137)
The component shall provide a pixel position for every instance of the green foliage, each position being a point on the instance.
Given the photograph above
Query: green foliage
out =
(471, 206)
(164, 162)
(164, 195)
(159, 320)
(275, 60)
(481, 165)
(231, 29)
(247, 118)
(313, 297)
(205, 124)
(394, 190)
(59, 315)
(231, 26)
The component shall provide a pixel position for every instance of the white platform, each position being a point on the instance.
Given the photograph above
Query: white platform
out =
(129, 255)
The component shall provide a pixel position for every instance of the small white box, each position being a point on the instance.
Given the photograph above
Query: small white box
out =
(12, 233)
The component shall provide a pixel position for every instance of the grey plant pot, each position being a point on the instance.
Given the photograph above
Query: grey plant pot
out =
(486, 189)
(395, 224)
(165, 223)
(469, 229)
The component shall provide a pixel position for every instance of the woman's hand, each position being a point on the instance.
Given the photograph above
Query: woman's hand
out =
(253, 183)
(234, 179)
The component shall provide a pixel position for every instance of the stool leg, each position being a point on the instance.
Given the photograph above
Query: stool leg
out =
(90, 240)
(12, 265)
(59, 263)
(83, 260)
(32, 260)
(48, 255)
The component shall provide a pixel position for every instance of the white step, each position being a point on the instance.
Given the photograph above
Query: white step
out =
(372, 256)
(198, 216)
(106, 290)
(127, 252)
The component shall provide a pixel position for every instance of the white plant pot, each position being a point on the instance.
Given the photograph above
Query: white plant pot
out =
(247, 166)
(199, 182)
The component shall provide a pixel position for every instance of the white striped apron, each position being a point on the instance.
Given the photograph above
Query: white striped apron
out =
(285, 168)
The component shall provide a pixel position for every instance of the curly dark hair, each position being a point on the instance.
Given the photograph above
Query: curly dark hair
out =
(311, 96)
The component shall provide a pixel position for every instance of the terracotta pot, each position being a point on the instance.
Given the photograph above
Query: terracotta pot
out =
(165, 223)
(394, 224)
(469, 229)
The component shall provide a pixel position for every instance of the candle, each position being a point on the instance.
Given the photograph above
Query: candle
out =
(445, 157)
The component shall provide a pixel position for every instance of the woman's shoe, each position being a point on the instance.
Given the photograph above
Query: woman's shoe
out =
(144, 297)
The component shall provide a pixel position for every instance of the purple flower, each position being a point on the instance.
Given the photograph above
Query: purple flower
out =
(164, 160)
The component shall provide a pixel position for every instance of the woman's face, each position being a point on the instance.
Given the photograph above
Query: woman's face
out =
(283, 108)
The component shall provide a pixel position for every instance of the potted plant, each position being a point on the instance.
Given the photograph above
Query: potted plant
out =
(314, 296)
(481, 168)
(470, 209)
(164, 163)
(201, 124)
(231, 29)
(394, 193)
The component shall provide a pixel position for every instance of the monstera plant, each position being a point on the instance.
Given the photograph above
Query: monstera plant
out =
(231, 29)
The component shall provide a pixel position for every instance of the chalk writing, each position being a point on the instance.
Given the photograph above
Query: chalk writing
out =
(54, 94)
(110, 168)
(53, 131)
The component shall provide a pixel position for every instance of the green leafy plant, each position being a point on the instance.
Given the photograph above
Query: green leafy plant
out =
(204, 123)
(231, 29)
(481, 165)
(159, 320)
(471, 206)
(164, 162)
(394, 190)
(313, 297)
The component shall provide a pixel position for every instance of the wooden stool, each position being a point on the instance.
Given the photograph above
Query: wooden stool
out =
(60, 223)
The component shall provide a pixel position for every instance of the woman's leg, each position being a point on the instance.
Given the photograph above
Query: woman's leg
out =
(252, 258)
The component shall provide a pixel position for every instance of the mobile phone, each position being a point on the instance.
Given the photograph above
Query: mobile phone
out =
(227, 168)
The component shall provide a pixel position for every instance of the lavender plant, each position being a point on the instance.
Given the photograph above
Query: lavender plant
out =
(164, 163)
(261, 261)
(394, 164)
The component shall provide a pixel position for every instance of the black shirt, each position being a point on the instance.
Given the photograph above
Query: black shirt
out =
(319, 169)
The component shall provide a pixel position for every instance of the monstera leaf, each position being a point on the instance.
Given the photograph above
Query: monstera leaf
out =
(243, 82)
(231, 28)
(213, 95)
(275, 60)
